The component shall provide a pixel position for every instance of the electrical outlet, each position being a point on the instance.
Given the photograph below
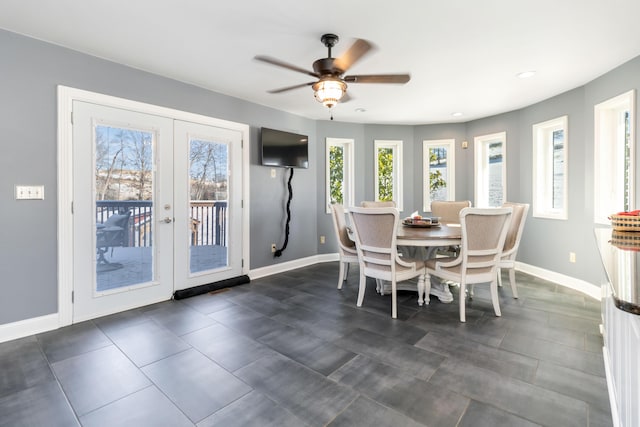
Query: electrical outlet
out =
(572, 257)
(273, 247)
(322, 240)
(273, 173)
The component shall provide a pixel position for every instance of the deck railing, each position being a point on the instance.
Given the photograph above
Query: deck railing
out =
(208, 220)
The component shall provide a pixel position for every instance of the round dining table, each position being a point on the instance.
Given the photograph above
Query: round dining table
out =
(430, 238)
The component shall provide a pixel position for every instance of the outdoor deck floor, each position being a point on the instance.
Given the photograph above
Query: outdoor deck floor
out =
(129, 266)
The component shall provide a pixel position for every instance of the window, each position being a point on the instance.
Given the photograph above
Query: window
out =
(339, 172)
(438, 160)
(614, 156)
(550, 140)
(491, 168)
(388, 171)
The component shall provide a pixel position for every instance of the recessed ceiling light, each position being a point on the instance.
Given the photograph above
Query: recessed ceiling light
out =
(456, 114)
(360, 110)
(525, 74)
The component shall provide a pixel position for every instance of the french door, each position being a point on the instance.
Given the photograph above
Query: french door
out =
(156, 207)
(207, 193)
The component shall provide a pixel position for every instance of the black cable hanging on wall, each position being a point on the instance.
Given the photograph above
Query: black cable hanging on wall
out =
(278, 252)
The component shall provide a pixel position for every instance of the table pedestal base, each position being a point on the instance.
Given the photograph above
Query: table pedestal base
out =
(441, 290)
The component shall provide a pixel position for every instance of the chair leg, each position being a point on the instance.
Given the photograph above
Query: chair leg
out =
(394, 300)
(462, 302)
(363, 286)
(494, 298)
(499, 277)
(471, 288)
(341, 274)
(512, 280)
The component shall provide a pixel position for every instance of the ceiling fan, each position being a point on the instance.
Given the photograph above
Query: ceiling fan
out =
(331, 86)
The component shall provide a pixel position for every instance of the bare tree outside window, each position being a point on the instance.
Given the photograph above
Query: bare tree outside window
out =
(140, 161)
(123, 164)
(208, 170)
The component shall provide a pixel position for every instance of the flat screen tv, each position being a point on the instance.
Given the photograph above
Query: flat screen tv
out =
(284, 149)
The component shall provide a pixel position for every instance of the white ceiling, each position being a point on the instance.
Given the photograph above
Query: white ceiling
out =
(463, 55)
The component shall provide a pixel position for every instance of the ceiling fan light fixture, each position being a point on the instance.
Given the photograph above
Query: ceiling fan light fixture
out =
(331, 86)
(329, 91)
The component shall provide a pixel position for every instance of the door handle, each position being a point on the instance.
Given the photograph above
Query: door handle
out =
(167, 220)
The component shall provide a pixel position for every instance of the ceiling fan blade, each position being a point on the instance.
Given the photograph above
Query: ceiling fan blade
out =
(284, 89)
(353, 54)
(378, 78)
(282, 64)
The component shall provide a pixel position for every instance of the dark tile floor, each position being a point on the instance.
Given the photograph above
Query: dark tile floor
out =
(292, 350)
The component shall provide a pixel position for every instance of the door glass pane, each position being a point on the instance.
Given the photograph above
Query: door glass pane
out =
(208, 183)
(495, 174)
(124, 201)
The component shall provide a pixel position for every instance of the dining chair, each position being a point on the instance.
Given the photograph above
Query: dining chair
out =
(448, 211)
(378, 204)
(512, 243)
(375, 232)
(384, 286)
(346, 247)
(483, 235)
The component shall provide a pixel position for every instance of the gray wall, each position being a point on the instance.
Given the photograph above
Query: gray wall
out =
(575, 234)
(31, 71)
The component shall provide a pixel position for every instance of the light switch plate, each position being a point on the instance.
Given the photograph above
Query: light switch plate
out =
(29, 192)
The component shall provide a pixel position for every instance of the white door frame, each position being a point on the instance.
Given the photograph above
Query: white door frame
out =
(66, 96)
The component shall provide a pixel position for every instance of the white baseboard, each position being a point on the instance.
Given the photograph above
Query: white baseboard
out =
(24, 328)
(291, 265)
(589, 289)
